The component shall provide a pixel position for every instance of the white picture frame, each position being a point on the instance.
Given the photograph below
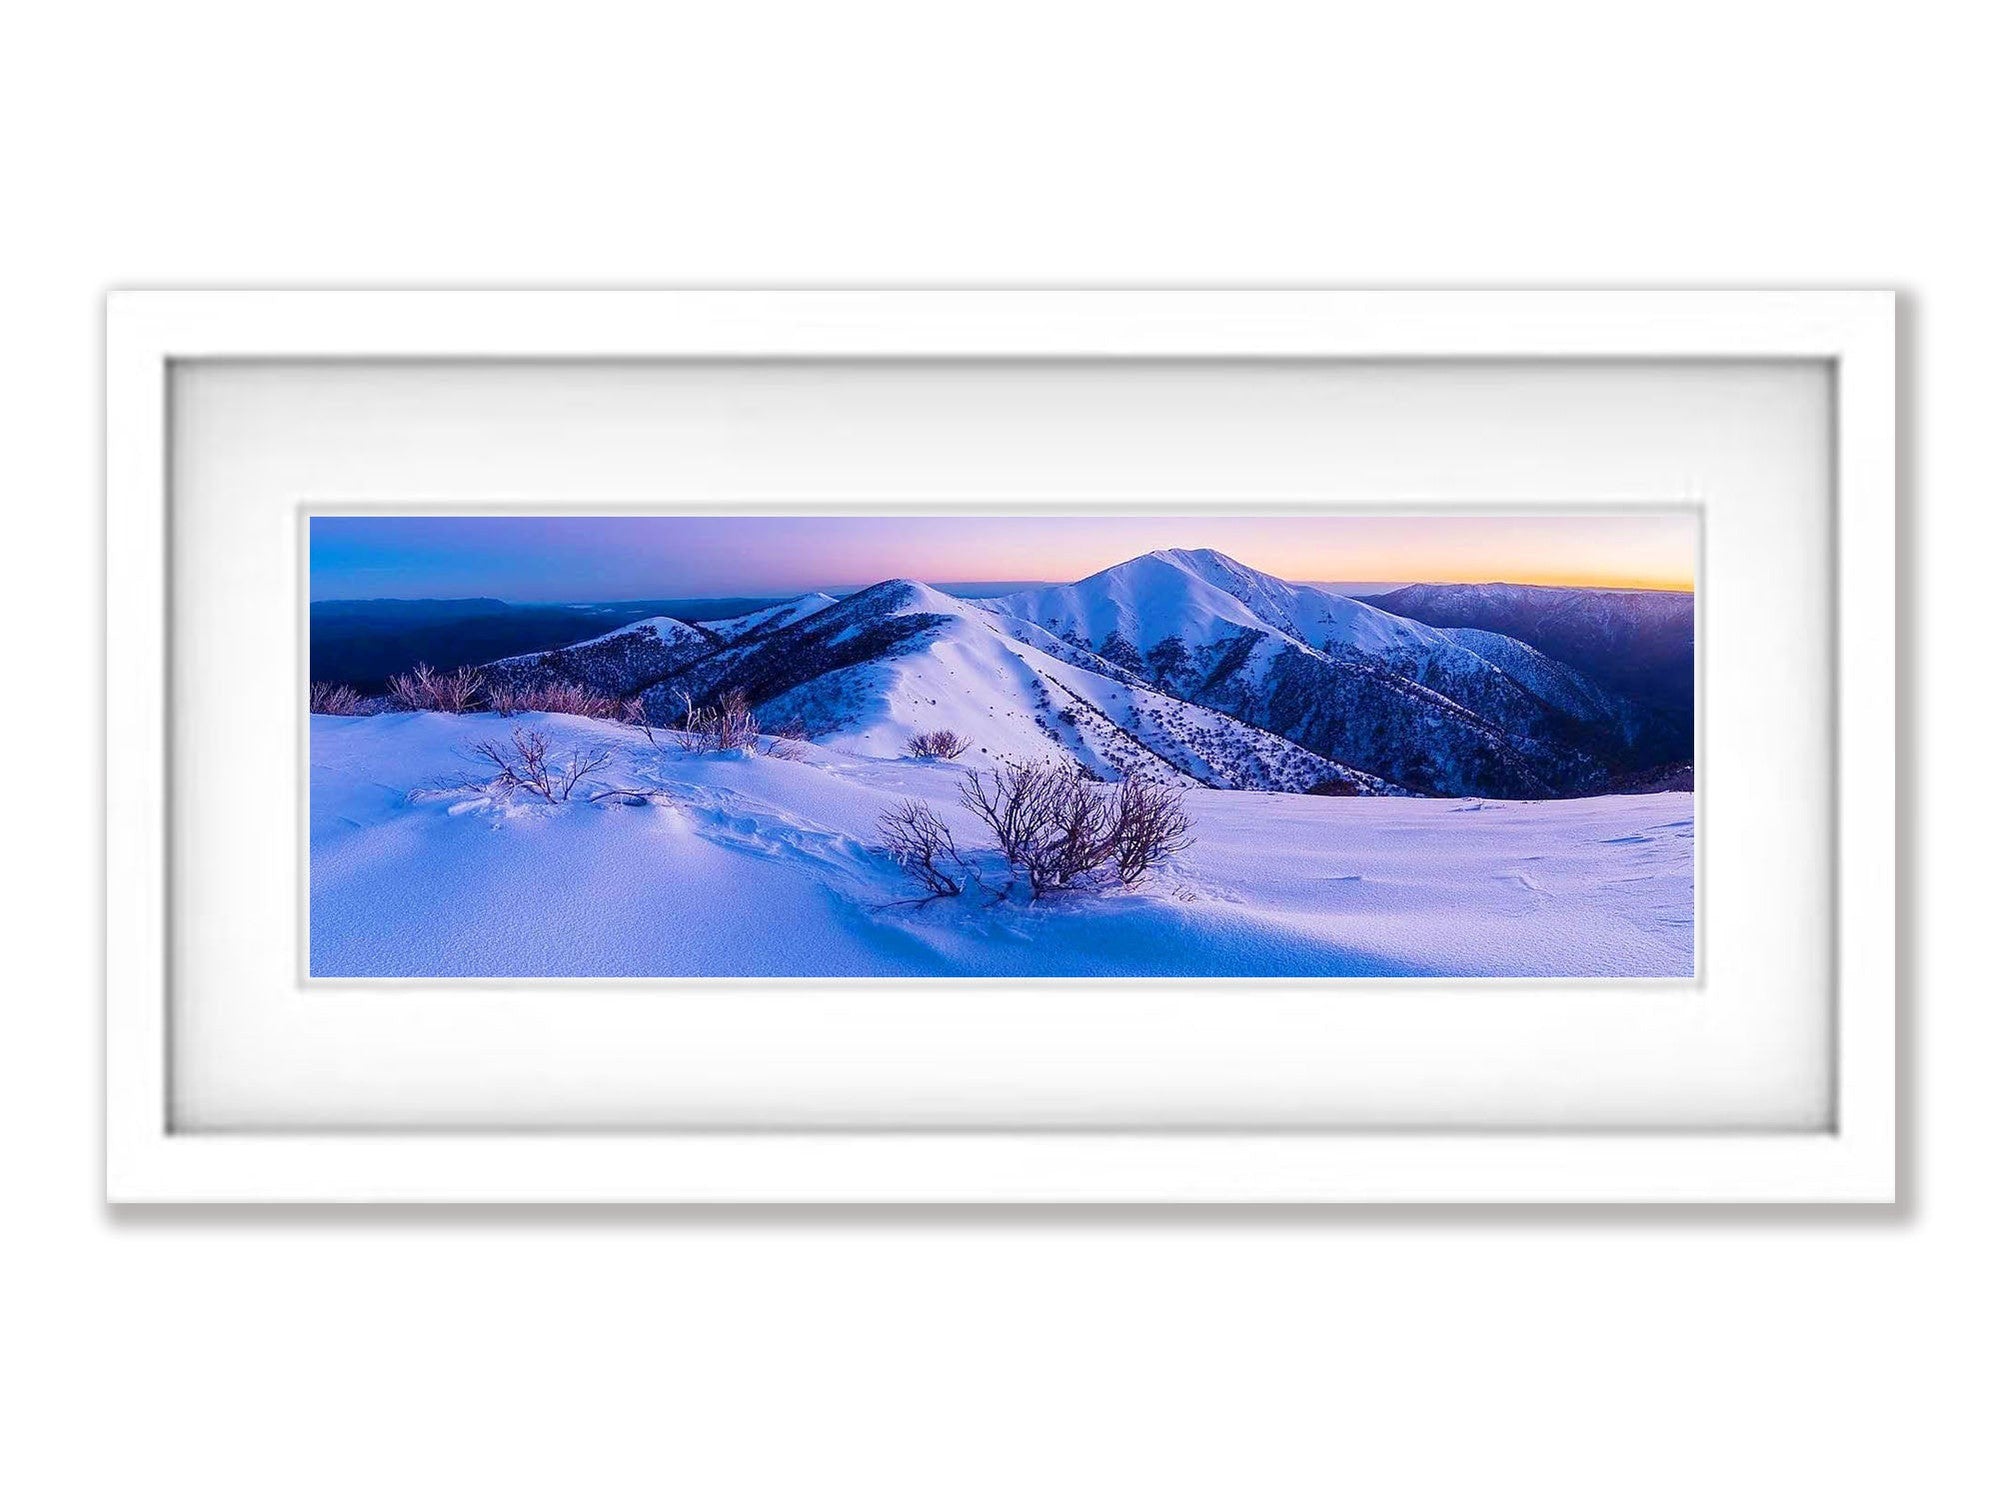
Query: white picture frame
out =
(1852, 1160)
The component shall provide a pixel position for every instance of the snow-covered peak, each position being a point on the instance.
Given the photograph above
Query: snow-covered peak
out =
(789, 612)
(1315, 616)
(1203, 562)
(676, 636)
(1202, 595)
(661, 627)
(1142, 601)
(618, 663)
(894, 596)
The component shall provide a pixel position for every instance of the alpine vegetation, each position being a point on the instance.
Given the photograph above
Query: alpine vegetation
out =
(938, 744)
(524, 766)
(1057, 829)
(715, 727)
(421, 690)
(337, 699)
(917, 839)
(552, 697)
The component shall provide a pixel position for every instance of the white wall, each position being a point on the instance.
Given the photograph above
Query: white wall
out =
(1453, 1352)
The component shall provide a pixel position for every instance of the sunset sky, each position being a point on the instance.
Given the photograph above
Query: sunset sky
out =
(584, 559)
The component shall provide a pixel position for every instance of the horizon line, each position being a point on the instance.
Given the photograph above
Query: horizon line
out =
(560, 559)
(1022, 585)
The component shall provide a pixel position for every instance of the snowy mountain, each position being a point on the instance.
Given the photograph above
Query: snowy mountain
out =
(618, 664)
(1306, 613)
(1337, 675)
(774, 618)
(1637, 644)
(1184, 665)
(1559, 686)
(901, 658)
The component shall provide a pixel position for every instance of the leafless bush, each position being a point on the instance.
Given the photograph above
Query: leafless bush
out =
(1055, 827)
(338, 699)
(1018, 804)
(917, 839)
(427, 690)
(581, 764)
(1083, 837)
(636, 715)
(524, 766)
(728, 725)
(786, 741)
(1051, 825)
(552, 697)
(938, 744)
(1150, 825)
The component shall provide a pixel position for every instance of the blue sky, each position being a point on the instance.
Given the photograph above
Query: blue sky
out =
(577, 559)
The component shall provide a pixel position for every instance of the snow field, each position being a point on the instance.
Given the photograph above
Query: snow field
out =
(752, 866)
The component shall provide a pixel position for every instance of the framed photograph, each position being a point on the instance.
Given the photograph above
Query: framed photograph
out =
(1001, 746)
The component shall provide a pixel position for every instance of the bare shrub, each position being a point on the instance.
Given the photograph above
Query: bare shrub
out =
(727, 725)
(938, 744)
(524, 767)
(1056, 827)
(636, 715)
(425, 689)
(581, 764)
(1018, 803)
(787, 741)
(552, 697)
(338, 699)
(735, 726)
(1084, 837)
(1052, 826)
(1150, 825)
(916, 838)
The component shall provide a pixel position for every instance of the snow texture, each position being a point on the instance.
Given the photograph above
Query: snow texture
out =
(1183, 664)
(1439, 711)
(731, 865)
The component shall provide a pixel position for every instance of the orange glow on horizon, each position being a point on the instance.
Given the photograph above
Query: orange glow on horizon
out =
(1556, 580)
(1650, 553)
(1655, 552)
(572, 558)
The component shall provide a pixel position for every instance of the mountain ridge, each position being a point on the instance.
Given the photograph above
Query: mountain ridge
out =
(1177, 663)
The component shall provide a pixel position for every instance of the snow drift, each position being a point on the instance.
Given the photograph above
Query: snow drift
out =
(751, 866)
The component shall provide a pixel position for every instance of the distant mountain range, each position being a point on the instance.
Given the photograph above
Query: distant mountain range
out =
(1639, 645)
(364, 642)
(1192, 666)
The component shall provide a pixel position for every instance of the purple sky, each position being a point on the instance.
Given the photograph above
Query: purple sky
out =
(577, 559)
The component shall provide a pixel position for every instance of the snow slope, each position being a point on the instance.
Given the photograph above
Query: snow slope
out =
(775, 617)
(755, 866)
(1143, 600)
(1632, 640)
(1205, 596)
(1180, 663)
(902, 658)
(1559, 686)
(1309, 614)
(619, 663)
(1413, 704)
